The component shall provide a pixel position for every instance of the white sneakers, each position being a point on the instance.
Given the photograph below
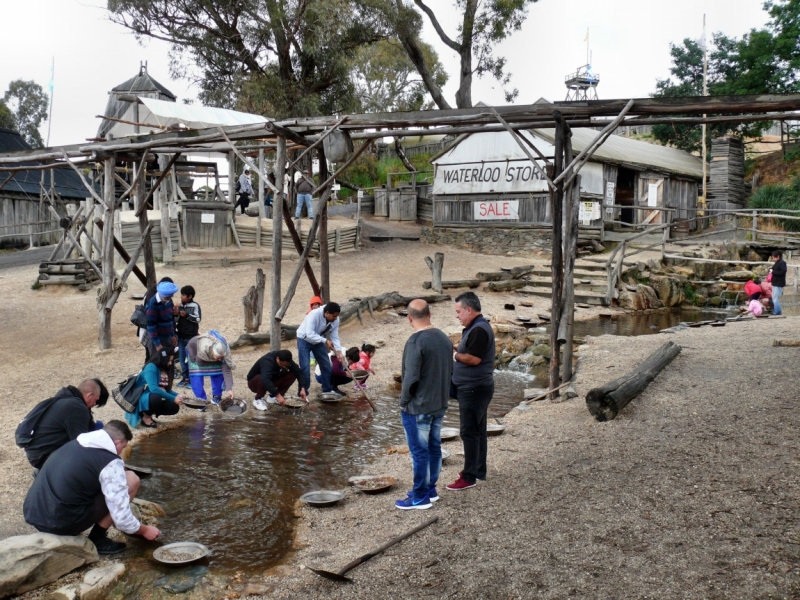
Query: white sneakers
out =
(271, 400)
(259, 404)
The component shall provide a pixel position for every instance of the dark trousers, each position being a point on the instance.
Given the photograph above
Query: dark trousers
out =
(243, 201)
(282, 382)
(472, 405)
(161, 406)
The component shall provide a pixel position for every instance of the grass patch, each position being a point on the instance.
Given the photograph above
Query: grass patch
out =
(36, 285)
(779, 197)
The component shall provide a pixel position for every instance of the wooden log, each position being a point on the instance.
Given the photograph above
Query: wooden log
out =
(605, 402)
(277, 247)
(253, 303)
(454, 284)
(124, 253)
(506, 286)
(436, 266)
(786, 343)
(493, 276)
(324, 257)
(349, 311)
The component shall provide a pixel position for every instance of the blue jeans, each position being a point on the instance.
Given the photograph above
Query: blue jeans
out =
(424, 437)
(197, 381)
(304, 199)
(777, 292)
(320, 352)
(183, 358)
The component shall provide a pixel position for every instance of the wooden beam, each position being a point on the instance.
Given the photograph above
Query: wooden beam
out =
(124, 253)
(131, 266)
(277, 246)
(143, 206)
(349, 162)
(322, 208)
(319, 140)
(286, 134)
(516, 137)
(83, 180)
(104, 316)
(557, 265)
(298, 244)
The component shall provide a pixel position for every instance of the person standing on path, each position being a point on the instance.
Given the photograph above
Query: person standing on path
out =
(473, 387)
(778, 281)
(304, 189)
(161, 319)
(427, 369)
(245, 190)
(311, 340)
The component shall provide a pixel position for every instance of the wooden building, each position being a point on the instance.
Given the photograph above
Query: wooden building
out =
(24, 215)
(486, 177)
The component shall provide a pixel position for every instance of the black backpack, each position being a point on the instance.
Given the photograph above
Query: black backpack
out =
(127, 393)
(139, 316)
(23, 436)
(238, 186)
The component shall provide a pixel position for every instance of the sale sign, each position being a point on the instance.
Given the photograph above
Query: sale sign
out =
(506, 210)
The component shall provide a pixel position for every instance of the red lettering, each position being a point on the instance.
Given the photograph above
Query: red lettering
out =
(482, 209)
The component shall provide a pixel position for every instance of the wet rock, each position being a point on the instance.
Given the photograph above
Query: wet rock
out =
(737, 275)
(182, 580)
(642, 298)
(715, 301)
(31, 561)
(668, 289)
(97, 582)
(149, 508)
(256, 589)
(542, 350)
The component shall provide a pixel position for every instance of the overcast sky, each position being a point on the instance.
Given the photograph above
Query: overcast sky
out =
(629, 40)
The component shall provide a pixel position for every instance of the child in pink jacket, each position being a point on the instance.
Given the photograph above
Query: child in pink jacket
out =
(363, 364)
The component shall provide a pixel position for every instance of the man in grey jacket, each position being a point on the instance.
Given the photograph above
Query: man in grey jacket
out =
(427, 368)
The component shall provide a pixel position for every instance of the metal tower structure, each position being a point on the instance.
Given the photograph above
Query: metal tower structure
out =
(582, 84)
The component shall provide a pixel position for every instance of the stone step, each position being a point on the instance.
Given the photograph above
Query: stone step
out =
(579, 273)
(546, 292)
(593, 286)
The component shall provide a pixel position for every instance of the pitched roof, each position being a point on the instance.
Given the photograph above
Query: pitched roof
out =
(143, 85)
(67, 183)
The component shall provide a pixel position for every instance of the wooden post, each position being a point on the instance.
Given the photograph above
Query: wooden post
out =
(337, 242)
(557, 264)
(571, 246)
(261, 214)
(735, 230)
(277, 245)
(232, 179)
(88, 214)
(755, 226)
(664, 238)
(147, 250)
(324, 259)
(298, 244)
(163, 193)
(253, 303)
(104, 316)
(436, 266)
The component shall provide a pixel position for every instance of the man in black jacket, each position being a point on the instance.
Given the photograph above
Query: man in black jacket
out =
(778, 280)
(66, 419)
(273, 374)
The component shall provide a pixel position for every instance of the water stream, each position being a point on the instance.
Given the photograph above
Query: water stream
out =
(231, 482)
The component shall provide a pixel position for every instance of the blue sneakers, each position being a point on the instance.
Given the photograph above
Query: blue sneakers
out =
(409, 503)
(433, 495)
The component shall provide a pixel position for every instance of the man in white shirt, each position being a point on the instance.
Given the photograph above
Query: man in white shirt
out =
(245, 191)
(311, 340)
(84, 484)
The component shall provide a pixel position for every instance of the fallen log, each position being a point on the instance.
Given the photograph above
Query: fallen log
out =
(506, 286)
(349, 311)
(786, 343)
(454, 284)
(605, 402)
(499, 276)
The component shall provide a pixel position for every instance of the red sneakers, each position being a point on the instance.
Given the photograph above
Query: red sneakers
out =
(460, 484)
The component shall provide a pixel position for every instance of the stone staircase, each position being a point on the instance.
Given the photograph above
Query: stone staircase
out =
(590, 280)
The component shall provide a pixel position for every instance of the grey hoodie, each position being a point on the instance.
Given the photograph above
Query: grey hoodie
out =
(427, 369)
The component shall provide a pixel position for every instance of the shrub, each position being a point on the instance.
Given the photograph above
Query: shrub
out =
(779, 197)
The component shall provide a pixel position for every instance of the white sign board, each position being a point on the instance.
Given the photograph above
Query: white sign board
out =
(360, 194)
(588, 211)
(336, 187)
(496, 210)
(610, 193)
(652, 194)
(484, 178)
(206, 217)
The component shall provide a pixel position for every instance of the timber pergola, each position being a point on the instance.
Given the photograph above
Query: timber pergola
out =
(303, 136)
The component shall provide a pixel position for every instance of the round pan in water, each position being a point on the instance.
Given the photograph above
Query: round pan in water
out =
(445, 453)
(180, 553)
(140, 471)
(322, 498)
(330, 397)
(196, 403)
(449, 433)
(235, 407)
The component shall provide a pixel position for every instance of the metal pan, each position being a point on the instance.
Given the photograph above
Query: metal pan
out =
(233, 407)
(180, 553)
(322, 498)
(330, 398)
(140, 471)
(196, 403)
(377, 485)
(449, 433)
(493, 429)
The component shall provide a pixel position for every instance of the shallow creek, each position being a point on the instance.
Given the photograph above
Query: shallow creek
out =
(231, 482)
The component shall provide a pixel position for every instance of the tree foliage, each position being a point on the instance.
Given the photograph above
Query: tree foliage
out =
(764, 61)
(482, 25)
(6, 116)
(27, 103)
(386, 80)
(276, 57)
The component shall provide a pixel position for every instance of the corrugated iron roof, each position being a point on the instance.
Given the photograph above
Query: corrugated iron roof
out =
(142, 85)
(67, 183)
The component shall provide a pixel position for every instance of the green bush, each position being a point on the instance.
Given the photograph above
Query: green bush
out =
(779, 197)
(369, 172)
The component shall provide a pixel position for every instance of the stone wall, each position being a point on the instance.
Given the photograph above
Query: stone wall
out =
(491, 240)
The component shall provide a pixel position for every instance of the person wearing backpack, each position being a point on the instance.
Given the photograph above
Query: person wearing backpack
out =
(245, 189)
(187, 325)
(60, 419)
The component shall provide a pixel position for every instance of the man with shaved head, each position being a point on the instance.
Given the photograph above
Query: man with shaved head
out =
(427, 368)
(68, 415)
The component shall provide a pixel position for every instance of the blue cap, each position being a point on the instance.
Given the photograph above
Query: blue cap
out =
(166, 289)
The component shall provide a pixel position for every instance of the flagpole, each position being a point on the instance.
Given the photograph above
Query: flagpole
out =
(52, 86)
(705, 93)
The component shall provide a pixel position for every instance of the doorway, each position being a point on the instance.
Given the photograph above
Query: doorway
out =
(626, 178)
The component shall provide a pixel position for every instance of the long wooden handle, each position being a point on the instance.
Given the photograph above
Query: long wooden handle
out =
(389, 544)
(363, 391)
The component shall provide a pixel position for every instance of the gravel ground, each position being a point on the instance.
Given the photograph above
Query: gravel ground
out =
(692, 492)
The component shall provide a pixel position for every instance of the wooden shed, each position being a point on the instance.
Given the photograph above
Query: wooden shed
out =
(207, 224)
(486, 177)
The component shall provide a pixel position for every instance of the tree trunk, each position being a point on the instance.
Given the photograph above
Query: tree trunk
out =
(557, 265)
(398, 148)
(607, 401)
(435, 266)
(277, 245)
(104, 316)
(253, 303)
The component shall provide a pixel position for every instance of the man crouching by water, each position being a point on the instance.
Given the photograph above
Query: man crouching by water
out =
(84, 484)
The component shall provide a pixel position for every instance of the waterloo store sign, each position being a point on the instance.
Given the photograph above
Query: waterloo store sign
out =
(486, 178)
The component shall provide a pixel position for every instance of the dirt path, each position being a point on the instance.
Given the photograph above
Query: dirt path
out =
(692, 492)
